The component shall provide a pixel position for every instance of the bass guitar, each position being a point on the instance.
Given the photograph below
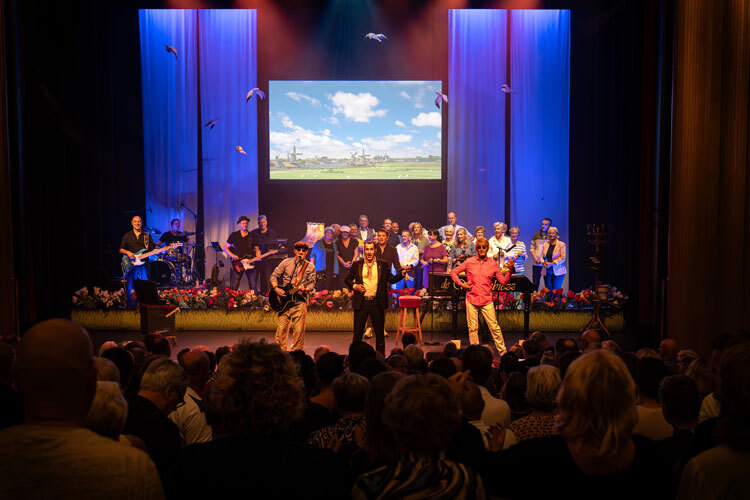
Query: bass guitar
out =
(246, 262)
(281, 304)
(142, 255)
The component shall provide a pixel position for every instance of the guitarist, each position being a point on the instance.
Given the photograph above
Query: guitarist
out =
(293, 270)
(241, 244)
(134, 241)
(370, 279)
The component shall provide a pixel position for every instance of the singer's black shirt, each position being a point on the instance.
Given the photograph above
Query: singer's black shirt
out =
(131, 243)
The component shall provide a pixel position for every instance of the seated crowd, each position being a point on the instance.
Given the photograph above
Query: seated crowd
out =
(581, 417)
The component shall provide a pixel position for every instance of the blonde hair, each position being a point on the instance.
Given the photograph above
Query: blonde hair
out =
(597, 404)
(542, 385)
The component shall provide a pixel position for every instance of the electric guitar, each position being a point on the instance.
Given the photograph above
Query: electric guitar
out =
(279, 303)
(142, 255)
(246, 262)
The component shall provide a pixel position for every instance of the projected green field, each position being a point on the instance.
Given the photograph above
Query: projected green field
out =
(354, 130)
(403, 171)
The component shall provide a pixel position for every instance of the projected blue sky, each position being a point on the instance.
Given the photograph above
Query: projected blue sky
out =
(337, 118)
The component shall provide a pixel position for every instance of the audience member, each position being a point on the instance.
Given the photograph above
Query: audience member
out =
(415, 357)
(107, 345)
(702, 371)
(158, 344)
(408, 339)
(472, 406)
(108, 411)
(323, 349)
(379, 447)
(358, 352)
(565, 345)
(398, 363)
(450, 350)
(542, 384)
(423, 413)
(668, 353)
(371, 367)
(189, 418)
(566, 360)
(477, 360)
(611, 346)
(221, 352)
(684, 358)
(255, 397)
(106, 370)
(508, 364)
(721, 472)
(306, 370)
(11, 402)
(595, 451)
(181, 354)
(541, 341)
(651, 422)
(162, 389)
(680, 402)
(532, 352)
(646, 352)
(590, 341)
(350, 393)
(320, 409)
(514, 393)
(443, 367)
(123, 360)
(52, 455)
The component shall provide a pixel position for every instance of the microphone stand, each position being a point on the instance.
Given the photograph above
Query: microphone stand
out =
(198, 250)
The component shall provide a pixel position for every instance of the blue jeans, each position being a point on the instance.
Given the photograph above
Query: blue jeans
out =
(553, 282)
(136, 273)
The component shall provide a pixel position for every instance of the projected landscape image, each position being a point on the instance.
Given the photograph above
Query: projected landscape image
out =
(354, 130)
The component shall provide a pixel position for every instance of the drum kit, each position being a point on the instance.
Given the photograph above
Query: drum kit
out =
(174, 268)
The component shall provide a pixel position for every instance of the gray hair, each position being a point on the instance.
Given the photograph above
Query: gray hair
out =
(106, 370)
(542, 384)
(108, 410)
(262, 217)
(162, 373)
(515, 228)
(499, 223)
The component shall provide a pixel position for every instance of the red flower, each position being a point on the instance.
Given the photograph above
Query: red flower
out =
(313, 301)
(324, 292)
(329, 304)
(571, 294)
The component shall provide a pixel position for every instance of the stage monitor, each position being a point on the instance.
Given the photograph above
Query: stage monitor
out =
(354, 130)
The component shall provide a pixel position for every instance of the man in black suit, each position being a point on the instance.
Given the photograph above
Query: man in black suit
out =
(370, 279)
(384, 251)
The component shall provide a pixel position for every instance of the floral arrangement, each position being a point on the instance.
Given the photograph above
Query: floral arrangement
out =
(228, 299)
(98, 298)
(331, 299)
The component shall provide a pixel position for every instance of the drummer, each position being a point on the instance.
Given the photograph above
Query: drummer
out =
(173, 236)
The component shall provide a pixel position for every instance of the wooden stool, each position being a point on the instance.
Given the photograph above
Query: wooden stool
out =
(409, 302)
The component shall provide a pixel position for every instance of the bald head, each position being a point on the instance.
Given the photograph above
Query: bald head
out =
(590, 339)
(197, 367)
(55, 371)
(668, 349)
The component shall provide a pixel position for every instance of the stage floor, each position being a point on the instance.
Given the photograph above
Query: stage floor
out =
(337, 341)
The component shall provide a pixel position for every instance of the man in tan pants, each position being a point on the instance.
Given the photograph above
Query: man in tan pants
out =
(293, 271)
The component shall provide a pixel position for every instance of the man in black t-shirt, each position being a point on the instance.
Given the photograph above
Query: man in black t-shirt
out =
(537, 242)
(132, 242)
(174, 236)
(263, 234)
(242, 245)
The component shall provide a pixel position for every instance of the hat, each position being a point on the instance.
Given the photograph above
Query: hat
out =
(329, 228)
(345, 229)
(243, 217)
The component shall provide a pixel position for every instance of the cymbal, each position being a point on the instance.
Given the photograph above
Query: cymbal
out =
(185, 234)
(151, 230)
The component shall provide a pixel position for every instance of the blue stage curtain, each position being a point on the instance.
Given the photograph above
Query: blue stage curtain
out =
(540, 74)
(169, 87)
(476, 116)
(228, 41)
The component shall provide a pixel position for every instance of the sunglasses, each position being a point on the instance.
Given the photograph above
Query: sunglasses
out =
(482, 246)
(304, 249)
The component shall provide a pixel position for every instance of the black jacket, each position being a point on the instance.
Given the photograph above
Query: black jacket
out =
(385, 279)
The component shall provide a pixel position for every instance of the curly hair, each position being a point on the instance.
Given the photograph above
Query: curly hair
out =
(423, 413)
(256, 390)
